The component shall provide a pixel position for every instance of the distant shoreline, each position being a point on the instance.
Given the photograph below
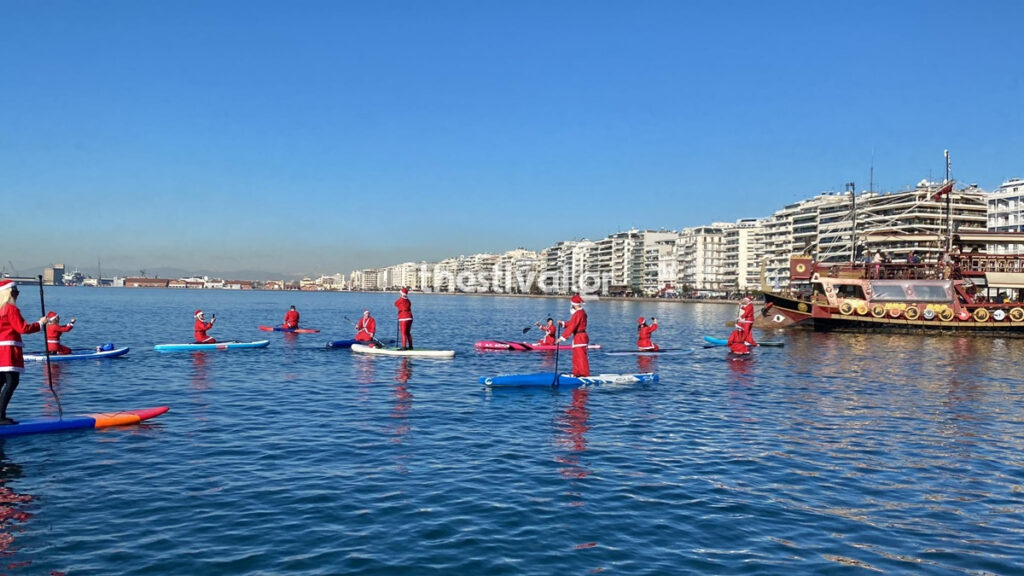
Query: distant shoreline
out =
(566, 296)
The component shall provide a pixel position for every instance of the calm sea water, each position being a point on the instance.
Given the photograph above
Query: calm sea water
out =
(853, 453)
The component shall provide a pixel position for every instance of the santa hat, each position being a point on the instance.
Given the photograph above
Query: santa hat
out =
(198, 312)
(640, 320)
(366, 311)
(405, 290)
(745, 300)
(51, 314)
(7, 284)
(576, 299)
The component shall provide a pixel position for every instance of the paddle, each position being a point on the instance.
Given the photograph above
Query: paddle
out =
(554, 382)
(528, 328)
(375, 341)
(46, 347)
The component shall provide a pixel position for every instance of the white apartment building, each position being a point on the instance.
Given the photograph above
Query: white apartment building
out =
(700, 260)
(743, 249)
(516, 271)
(1006, 214)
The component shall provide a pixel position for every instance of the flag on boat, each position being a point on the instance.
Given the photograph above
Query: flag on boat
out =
(946, 189)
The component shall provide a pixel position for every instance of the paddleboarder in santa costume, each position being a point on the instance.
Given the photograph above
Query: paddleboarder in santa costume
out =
(643, 334)
(550, 332)
(53, 331)
(291, 318)
(12, 363)
(366, 327)
(577, 327)
(736, 342)
(746, 320)
(404, 319)
(202, 326)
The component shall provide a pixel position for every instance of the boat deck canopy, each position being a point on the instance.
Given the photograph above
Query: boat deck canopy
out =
(1012, 280)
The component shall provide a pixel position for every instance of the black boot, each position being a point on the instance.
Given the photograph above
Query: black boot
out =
(5, 398)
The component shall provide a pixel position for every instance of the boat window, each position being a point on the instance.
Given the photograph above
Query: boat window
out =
(887, 292)
(930, 293)
(850, 291)
(909, 292)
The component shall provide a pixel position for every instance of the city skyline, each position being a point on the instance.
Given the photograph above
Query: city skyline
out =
(218, 137)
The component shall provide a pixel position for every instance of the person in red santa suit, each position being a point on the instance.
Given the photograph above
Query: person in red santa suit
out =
(53, 331)
(550, 331)
(291, 318)
(736, 342)
(643, 334)
(202, 326)
(12, 362)
(404, 319)
(577, 327)
(746, 320)
(366, 327)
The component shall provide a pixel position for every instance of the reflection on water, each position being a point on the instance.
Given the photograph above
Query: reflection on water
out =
(402, 401)
(12, 510)
(646, 364)
(200, 377)
(572, 423)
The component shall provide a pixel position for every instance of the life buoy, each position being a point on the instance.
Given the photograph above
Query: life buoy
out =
(846, 308)
(946, 315)
(894, 312)
(928, 314)
(980, 315)
(878, 311)
(999, 315)
(1017, 314)
(829, 289)
(862, 309)
(912, 313)
(964, 315)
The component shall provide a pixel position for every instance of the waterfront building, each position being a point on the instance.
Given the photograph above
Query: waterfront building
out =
(742, 252)
(54, 275)
(699, 253)
(1005, 213)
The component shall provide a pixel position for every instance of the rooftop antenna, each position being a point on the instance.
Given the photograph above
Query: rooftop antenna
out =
(871, 180)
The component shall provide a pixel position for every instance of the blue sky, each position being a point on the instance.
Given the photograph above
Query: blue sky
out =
(316, 136)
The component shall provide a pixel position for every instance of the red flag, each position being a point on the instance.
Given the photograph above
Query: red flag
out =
(946, 189)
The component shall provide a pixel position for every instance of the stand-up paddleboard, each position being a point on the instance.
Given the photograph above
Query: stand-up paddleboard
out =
(289, 330)
(507, 345)
(214, 346)
(83, 354)
(722, 342)
(364, 349)
(548, 380)
(342, 343)
(85, 421)
(661, 352)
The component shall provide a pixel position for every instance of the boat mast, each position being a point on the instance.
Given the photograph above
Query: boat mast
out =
(852, 189)
(949, 208)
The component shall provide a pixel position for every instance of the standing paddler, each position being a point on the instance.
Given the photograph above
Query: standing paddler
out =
(12, 362)
(577, 327)
(404, 318)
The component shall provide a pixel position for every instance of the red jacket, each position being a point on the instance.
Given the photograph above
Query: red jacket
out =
(201, 328)
(404, 308)
(291, 319)
(577, 326)
(643, 337)
(549, 334)
(53, 332)
(12, 326)
(366, 328)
